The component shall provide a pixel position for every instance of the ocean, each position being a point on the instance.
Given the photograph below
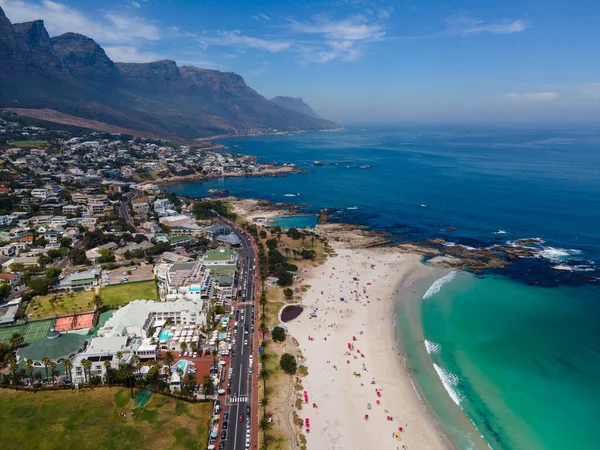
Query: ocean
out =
(516, 351)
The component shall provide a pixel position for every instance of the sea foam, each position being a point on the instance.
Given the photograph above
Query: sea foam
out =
(437, 285)
(450, 382)
(432, 347)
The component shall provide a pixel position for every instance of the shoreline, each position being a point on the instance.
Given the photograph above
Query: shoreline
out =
(274, 133)
(270, 172)
(334, 327)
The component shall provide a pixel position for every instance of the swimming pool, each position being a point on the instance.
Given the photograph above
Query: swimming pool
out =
(181, 365)
(165, 335)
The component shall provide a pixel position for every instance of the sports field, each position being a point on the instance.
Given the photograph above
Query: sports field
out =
(92, 419)
(117, 295)
(31, 332)
(61, 304)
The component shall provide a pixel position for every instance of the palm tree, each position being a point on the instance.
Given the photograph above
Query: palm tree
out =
(264, 375)
(214, 354)
(12, 365)
(68, 366)
(107, 367)
(183, 346)
(169, 358)
(263, 357)
(137, 361)
(87, 365)
(52, 371)
(119, 356)
(16, 340)
(98, 301)
(45, 362)
(264, 404)
(29, 370)
(264, 426)
(193, 346)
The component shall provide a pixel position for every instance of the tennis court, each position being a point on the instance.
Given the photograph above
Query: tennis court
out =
(31, 332)
(76, 322)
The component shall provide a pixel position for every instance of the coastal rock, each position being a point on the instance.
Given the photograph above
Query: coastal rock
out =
(323, 216)
(218, 192)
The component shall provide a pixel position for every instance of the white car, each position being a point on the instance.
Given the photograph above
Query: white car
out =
(247, 443)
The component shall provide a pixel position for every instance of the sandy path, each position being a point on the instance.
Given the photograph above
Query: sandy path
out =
(341, 396)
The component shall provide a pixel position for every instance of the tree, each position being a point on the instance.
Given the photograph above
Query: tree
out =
(189, 382)
(278, 334)
(29, 370)
(77, 257)
(12, 365)
(193, 346)
(45, 362)
(119, 356)
(262, 234)
(263, 376)
(183, 346)
(52, 371)
(65, 242)
(87, 365)
(98, 301)
(288, 364)
(4, 290)
(289, 293)
(68, 366)
(16, 340)
(264, 426)
(264, 404)
(207, 385)
(107, 368)
(169, 358)
(294, 233)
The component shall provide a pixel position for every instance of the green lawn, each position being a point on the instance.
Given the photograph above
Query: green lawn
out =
(66, 303)
(120, 294)
(90, 420)
(29, 143)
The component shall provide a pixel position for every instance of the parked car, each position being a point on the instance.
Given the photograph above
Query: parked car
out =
(223, 435)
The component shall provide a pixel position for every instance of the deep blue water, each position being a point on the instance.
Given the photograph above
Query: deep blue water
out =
(528, 328)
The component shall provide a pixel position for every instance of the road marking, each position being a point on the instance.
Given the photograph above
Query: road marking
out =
(239, 399)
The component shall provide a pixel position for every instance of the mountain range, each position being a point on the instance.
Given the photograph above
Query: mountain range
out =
(72, 75)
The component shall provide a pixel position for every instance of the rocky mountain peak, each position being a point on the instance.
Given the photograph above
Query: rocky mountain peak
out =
(84, 57)
(152, 75)
(8, 38)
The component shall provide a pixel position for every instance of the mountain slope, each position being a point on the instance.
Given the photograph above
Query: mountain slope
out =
(295, 104)
(73, 75)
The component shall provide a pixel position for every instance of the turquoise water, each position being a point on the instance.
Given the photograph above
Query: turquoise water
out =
(522, 361)
(181, 365)
(299, 221)
(165, 335)
(518, 350)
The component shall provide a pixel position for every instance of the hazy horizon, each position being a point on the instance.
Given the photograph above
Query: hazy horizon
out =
(358, 61)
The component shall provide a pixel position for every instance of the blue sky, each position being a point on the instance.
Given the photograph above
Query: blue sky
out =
(366, 61)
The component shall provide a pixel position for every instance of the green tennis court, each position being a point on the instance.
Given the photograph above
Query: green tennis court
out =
(31, 332)
(142, 398)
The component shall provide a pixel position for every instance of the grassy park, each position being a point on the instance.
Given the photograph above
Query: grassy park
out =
(117, 295)
(24, 144)
(89, 419)
(61, 304)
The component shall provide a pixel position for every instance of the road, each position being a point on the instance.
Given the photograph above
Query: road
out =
(241, 382)
(124, 208)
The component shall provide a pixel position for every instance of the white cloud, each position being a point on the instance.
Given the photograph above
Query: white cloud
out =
(463, 24)
(591, 90)
(343, 40)
(235, 38)
(533, 96)
(122, 53)
(261, 16)
(109, 27)
(136, 5)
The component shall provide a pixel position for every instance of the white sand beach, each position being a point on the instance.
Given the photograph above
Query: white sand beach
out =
(367, 314)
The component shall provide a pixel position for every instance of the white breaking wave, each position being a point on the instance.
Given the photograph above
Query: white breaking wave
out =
(557, 254)
(289, 195)
(575, 268)
(353, 207)
(500, 232)
(450, 382)
(437, 285)
(432, 347)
